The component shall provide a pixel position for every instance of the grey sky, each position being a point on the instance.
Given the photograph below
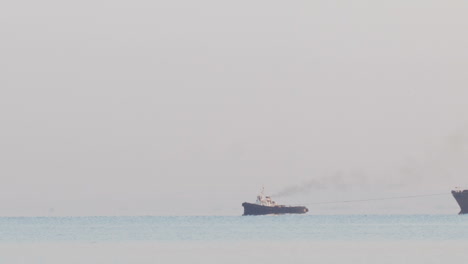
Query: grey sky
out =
(188, 107)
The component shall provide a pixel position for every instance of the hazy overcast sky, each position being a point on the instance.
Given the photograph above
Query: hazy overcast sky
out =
(189, 107)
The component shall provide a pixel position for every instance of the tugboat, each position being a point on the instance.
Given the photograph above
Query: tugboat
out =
(461, 196)
(265, 205)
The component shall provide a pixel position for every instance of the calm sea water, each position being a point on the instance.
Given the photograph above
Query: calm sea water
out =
(235, 239)
(233, 228)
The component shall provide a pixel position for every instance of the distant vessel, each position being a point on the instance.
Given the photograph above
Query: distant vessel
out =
(265, 205)
(461, 196)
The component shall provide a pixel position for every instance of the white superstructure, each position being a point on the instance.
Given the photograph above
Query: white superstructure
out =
(264, 200)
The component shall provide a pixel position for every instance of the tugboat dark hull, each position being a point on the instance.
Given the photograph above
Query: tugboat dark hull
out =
(255, 209)
(462, 199)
